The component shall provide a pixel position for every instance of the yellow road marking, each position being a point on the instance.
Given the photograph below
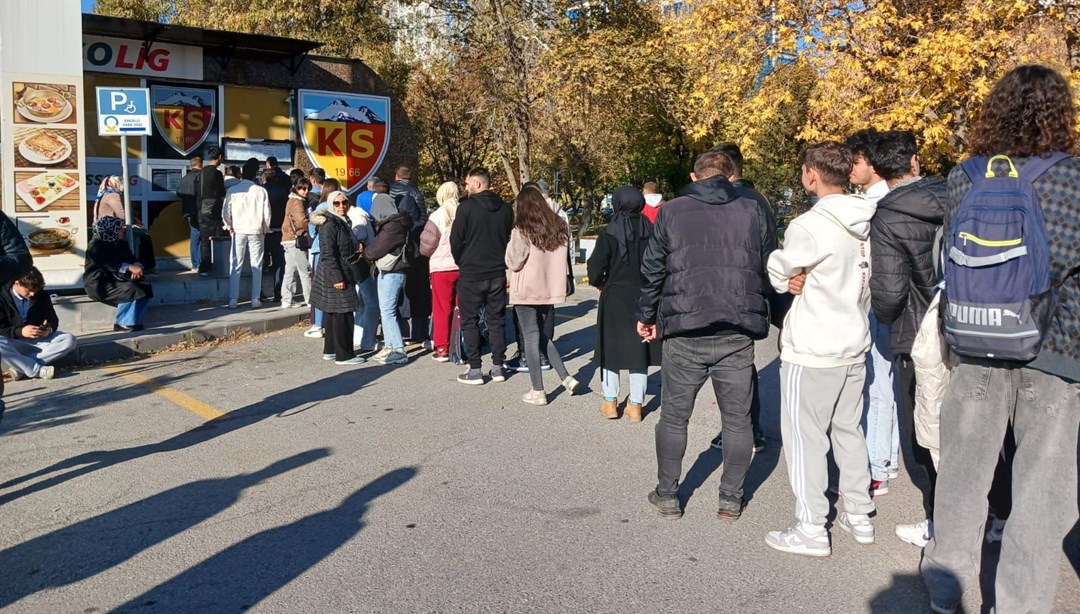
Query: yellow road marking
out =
(188, 402)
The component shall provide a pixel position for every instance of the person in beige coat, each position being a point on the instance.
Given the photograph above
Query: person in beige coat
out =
(537, 259)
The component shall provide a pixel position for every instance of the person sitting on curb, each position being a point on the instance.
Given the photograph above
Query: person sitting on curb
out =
(30, 339)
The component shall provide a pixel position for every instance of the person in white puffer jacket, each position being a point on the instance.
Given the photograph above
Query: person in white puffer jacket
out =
(823, 358)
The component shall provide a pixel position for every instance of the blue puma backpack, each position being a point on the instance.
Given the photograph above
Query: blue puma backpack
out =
(998, 299)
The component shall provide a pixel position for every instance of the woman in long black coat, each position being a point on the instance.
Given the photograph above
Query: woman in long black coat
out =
(334, 287)
(114, 276)
(615, 268)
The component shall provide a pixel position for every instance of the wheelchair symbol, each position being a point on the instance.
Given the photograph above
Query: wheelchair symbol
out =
(130, 108)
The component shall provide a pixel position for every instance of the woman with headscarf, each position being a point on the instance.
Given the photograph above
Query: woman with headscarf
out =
(329, 186)
(110, 203)
(537, 258)
(334, 288)
(435, 245)
(615, 268)
(388, 252)
(114, 276)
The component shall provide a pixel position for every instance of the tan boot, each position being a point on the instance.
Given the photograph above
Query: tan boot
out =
(632, 412)
(609, 409)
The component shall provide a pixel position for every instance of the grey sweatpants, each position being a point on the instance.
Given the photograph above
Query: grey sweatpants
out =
(813, 401)
(1045, 414)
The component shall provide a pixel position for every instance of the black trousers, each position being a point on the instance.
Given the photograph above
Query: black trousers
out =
(338, 338)
(418, 291)
(274, 261)
(689, 362)
(919, 463)
(755, 402)
(489, 294)
(207, 230)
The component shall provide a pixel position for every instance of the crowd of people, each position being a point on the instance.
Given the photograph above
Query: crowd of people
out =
(936, 316)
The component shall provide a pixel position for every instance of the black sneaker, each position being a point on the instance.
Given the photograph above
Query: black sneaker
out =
(730, 508)
(544, 364)
(521, 366)
(667, 504)
(472, 377)
(759, 441)
(499, 373)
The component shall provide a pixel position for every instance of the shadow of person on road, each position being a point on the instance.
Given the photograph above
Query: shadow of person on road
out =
(89, 547)
(907, 595)
(341, 384)
(247, 572)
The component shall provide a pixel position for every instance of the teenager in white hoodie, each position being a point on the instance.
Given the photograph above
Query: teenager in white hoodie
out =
(822, 361)
(246, 214)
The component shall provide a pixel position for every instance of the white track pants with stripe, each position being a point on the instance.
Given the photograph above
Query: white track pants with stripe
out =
(813, 401)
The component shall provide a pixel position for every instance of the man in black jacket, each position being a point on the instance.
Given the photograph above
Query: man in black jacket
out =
(30, 339)
(478, 241)
(188, 192)
(706, 292)
(15, 261)
(410, 200)
(278, 187)
(745, 187)
(211, 197)
(902, 236)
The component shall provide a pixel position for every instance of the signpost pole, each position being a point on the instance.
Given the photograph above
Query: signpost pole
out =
(127, 191)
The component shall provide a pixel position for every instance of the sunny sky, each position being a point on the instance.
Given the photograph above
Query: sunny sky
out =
(87, 6)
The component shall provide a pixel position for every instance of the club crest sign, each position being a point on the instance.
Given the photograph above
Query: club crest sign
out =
(347, 135)
(184, 116)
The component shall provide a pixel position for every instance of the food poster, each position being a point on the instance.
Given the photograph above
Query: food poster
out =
(43, 184)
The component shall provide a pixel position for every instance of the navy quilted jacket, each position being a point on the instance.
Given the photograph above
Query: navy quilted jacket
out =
(1059, 197)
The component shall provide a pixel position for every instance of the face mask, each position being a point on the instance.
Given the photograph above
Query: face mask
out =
(653, 200)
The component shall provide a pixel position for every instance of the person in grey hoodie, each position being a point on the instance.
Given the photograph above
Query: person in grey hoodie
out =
(825, 338)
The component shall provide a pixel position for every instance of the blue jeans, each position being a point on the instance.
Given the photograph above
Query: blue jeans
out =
(131, 313)
(609, 382)
(367, 313)
(390, 285)
(195, 255)
(882, 427)
(317, 319)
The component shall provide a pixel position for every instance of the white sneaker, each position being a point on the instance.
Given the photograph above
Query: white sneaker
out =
(396, 357)
(917, 534)
(858, 525)
(256, 303)
(796, 540)
(314, 332)
(232, 304)
(571, 385)
(383, 353)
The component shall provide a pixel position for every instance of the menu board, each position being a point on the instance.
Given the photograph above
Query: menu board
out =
(44, 192)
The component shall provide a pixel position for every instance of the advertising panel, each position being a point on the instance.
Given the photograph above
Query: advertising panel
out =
(184, 119)
(131, 57)
(345, 134)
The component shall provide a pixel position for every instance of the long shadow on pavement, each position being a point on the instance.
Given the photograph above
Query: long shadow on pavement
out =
(247, 572)
(907, 595)
(92, 546)
(342, 384)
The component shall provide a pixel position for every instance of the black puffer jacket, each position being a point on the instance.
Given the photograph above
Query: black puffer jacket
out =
(704, 269)
(902, 236)
(337, 249)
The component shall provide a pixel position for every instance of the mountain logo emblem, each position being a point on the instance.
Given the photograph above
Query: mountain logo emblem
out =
(183, 116)
(347, 135)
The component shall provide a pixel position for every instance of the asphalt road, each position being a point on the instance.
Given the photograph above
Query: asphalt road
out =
(383, 489)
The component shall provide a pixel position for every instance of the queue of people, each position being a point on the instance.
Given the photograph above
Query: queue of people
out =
(866, 283)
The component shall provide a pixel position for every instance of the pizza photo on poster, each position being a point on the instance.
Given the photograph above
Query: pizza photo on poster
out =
(347, 135)
(185, 120)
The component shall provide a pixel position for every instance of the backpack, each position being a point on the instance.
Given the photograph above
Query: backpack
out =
(998, 299)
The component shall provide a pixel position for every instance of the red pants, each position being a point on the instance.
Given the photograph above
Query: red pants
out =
(443, 299)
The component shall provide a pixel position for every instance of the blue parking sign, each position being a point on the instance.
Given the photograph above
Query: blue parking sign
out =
(123, 111)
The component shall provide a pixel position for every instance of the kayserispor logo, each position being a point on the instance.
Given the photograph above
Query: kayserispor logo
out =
(347, 135)
(183, 116)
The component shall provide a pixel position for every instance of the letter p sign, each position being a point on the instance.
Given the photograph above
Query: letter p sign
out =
(123, 111)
